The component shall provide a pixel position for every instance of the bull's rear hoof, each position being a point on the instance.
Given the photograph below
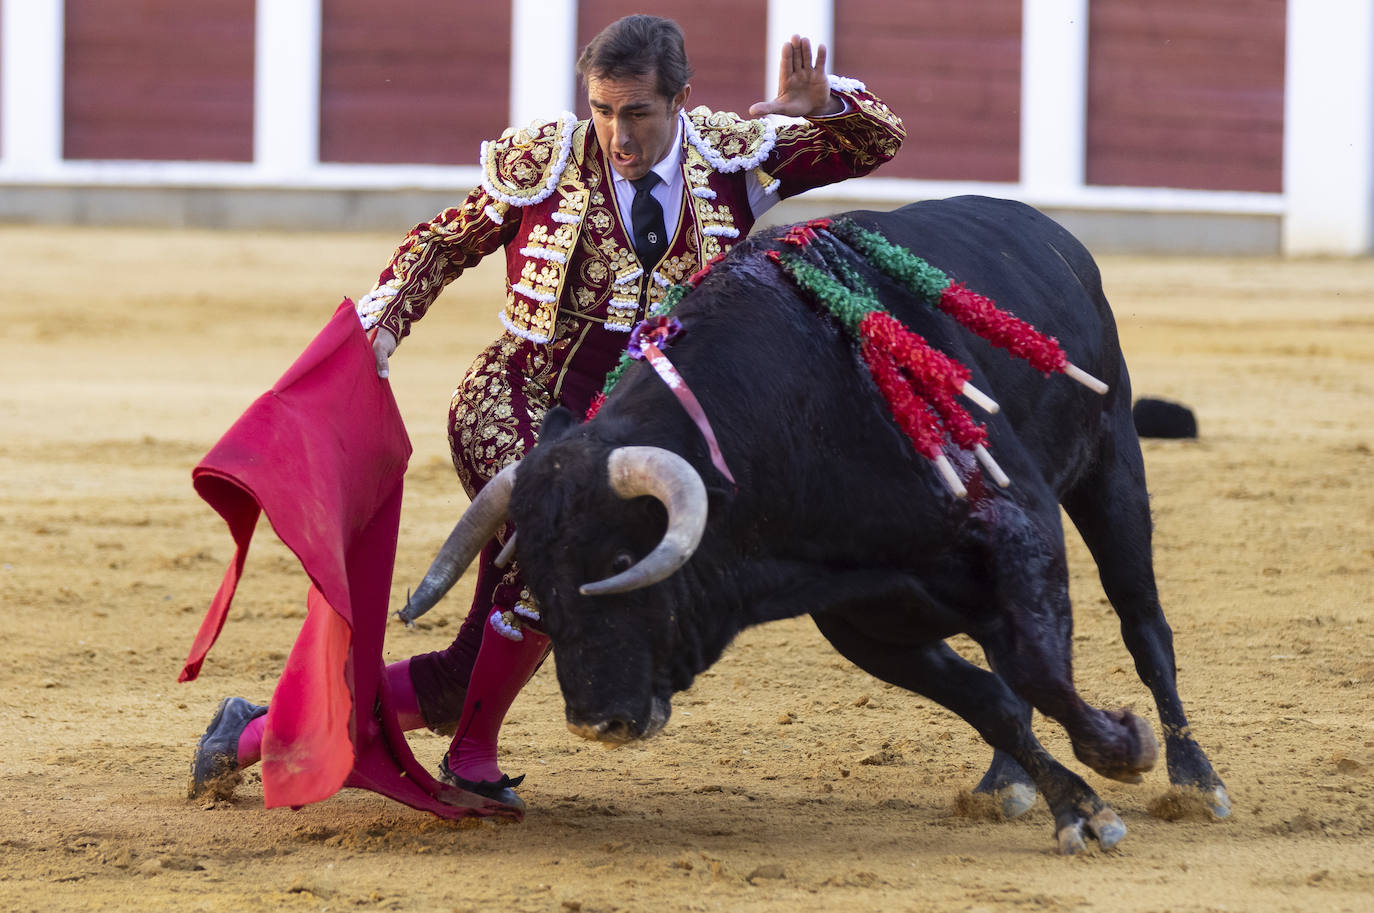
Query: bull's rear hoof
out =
(1107, 828)
(1071, 840)
(1016, 799)
(1103, 826)
(1192, 775)
(1211, 794)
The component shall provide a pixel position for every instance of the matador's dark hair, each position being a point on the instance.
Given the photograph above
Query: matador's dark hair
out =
(636, 46)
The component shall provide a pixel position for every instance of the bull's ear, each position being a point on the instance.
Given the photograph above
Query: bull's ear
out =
(558, 421)
(719, 496)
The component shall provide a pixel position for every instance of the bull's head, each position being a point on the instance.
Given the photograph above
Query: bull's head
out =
(598, 527)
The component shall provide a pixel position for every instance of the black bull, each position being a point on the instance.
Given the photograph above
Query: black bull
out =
(835, 515)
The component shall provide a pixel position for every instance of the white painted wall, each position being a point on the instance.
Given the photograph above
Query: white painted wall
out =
(1054, 95)
(814, 19)
(286, 88)
(31, 82)
(1328, 143)
(543, 58)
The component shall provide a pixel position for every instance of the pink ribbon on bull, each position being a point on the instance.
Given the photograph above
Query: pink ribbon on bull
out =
(645, 342)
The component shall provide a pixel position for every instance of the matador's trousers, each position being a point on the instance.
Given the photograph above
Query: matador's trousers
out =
(494, 420)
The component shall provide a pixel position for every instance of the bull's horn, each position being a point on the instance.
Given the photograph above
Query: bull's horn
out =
(666, 476)
(483, 519)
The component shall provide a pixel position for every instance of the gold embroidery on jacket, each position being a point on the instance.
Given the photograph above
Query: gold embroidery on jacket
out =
(728, 133)
(430, 255)
(519, 164)
(875, 136)
(711, 219)
(677, 269)
(625, 289)
(532, 302)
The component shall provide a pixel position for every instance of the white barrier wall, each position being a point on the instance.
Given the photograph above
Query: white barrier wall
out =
(542, 77)
(1327, 205)
(1054, 97)
(1328, 139)
(31, 80)
(286, 87)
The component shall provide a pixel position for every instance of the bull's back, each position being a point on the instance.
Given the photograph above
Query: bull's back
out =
(1017, 256)
(1033, 267)
(796, 411)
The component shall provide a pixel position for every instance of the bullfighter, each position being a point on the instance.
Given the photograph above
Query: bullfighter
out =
(598, 218)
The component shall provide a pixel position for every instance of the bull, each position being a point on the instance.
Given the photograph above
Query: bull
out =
(646, 561)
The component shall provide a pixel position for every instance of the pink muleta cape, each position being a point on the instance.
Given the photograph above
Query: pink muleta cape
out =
(323, 453)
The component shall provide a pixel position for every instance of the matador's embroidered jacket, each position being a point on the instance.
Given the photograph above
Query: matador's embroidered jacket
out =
(547, 196)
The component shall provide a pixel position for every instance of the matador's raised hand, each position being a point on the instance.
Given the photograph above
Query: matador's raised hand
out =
(803, 90)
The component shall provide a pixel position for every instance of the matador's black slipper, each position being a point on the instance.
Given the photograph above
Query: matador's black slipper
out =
(502, 790)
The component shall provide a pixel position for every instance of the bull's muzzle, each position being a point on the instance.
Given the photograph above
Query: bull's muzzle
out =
(618, 729)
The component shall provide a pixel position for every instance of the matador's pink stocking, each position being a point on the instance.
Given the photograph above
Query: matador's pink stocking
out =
(503, 666)
(250, 742)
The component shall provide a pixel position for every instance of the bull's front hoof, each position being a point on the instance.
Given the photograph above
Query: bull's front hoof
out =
(1075, 830)
(1192, 803)
(1191, 773)
(1220, 802)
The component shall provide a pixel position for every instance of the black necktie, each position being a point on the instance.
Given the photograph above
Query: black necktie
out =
(647, 217)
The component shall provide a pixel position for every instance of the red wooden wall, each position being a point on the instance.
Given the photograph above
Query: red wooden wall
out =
(1186, 94)
(413, 83)
(725, 46)
(953, 73)
(159, 79)
(1180, 93)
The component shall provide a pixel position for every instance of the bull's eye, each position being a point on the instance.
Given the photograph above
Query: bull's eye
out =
(622, 562)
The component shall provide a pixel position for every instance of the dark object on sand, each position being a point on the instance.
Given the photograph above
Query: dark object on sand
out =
(1162, 418)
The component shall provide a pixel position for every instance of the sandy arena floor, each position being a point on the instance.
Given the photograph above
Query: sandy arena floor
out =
(787, 780)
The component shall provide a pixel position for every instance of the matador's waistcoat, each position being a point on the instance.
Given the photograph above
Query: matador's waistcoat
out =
(547, 195)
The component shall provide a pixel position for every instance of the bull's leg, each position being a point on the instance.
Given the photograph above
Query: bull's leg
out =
(1111, 510)
(1028, 640)
(982, 699)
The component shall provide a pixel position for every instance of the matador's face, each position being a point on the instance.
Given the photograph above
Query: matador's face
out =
(635, 125)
